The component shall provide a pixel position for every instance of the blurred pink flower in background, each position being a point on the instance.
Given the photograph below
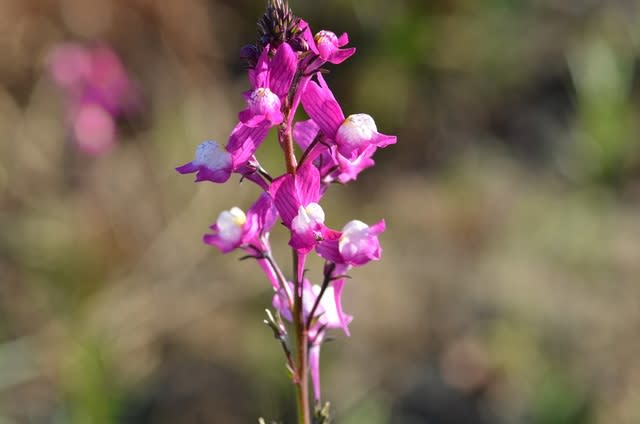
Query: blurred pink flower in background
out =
(97, 91)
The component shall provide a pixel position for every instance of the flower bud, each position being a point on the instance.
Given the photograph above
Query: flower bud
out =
(250, 55)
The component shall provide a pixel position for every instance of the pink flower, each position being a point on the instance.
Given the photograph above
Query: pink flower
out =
(296, 198)
(234, 228)
(332, 165)
(270, 81)
(353, 135)
(230, 230)
(264, 105)
(355, 245)
(328, 47)
(215, 163)
(211, 163)
(307, 227)
(244, 141)
(98, 91)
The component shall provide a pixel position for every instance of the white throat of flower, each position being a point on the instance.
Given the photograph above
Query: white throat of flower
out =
(263, 100)
(231, 224)
(357, 129)
(307, 218)
(325, 37)
(212, 156)
(355, 236)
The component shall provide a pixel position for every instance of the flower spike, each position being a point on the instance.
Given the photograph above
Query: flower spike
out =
(285, 72)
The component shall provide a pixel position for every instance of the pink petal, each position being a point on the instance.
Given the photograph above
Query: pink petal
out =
(323, 108)
(217, 176)
(245, 140)
(285, 198)
(307, 35)
(302, 260)
(304, 132)
(302, 243)
(377, 228)
(382, 140)
(350, 169)
(258, 75)
(328, 248)
(268, 271)
(276, 118)
(314, 369)
(265, 212)
(291, 192)
(282, 70)
(281, 302)
(307, 184)
(187, 168)
(215, 240)
(343, 40)
(341, 55)
(345, 319)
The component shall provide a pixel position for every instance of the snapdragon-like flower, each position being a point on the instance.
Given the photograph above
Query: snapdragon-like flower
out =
(332, 165)
(211, 163)
(215, 163)
(234, 228)
(328, 47)
(355, 245)
(325, 47)
(353, 135)
(270, 81)
(229, 230)
(296, 198)
(309, 221)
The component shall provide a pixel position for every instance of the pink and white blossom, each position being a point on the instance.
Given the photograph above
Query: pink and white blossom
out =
(353, 135)
(212, 162)
(234, 228)
(355, 245)
(270, 82)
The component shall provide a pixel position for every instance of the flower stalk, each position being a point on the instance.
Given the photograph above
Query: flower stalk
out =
(302, 343)
(285, 68)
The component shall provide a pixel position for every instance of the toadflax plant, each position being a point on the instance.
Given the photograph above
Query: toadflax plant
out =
(285, 69)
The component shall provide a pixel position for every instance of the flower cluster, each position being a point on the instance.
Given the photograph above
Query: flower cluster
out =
(284, 73)
(97, 91)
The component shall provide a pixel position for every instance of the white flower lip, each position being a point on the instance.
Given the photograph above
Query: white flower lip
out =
(231, 224)
(354, 237)
(307, 217)
(356, 130)
(210, 155)
(263, 100)
(325, 36)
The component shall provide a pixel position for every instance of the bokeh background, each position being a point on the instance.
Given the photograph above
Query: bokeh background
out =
(509, 290)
